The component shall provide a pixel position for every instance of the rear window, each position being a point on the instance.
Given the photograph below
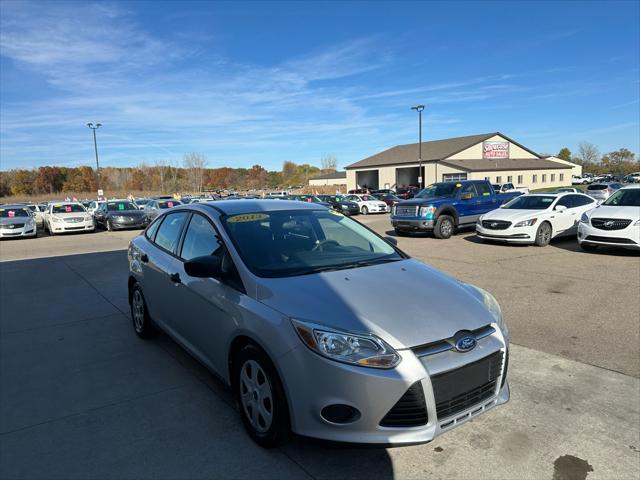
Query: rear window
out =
(169, 204)
(597, 187)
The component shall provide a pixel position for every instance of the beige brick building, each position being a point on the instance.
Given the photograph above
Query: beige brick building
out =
(491, 156)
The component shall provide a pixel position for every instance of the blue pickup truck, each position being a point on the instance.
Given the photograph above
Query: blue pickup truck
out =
(443, 206)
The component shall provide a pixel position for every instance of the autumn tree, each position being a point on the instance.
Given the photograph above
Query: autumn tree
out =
(329, 163)
(564, 154)
(194, 164)
(588, 153)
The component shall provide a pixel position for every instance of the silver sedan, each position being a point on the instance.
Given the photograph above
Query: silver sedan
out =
(284, 301)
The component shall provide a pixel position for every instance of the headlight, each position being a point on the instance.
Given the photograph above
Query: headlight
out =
(585, 219)
(362, 350)
(86, 219)
(637, 224)
(427, 211)
(344, 207)
(56, 219)
(526, 223)
(494, 308)
(479, 221)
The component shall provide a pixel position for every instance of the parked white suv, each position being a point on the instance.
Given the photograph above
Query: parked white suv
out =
(508, 187)
(615, 222)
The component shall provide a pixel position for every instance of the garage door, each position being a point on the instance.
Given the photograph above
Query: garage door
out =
(368, 179)
(408, 177)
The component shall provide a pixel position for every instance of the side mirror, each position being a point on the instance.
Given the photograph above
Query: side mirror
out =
(560, 208)
(392, 240)
(466, 196)
(206, 266)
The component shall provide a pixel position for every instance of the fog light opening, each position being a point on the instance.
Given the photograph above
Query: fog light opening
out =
(340, 414)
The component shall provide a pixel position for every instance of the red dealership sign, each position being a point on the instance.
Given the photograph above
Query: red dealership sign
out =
(495, 149)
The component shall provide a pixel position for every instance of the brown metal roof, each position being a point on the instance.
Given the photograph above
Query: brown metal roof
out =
(497, 164)
(330, 176)
(433, 150)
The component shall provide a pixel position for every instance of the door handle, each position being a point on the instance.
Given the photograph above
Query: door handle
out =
(175, 278)
(144, 258)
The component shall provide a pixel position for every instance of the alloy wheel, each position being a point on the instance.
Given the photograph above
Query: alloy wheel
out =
(137, 304)
(256, 396)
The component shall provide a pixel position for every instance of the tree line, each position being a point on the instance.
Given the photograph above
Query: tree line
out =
(192, 175)
(618, 162)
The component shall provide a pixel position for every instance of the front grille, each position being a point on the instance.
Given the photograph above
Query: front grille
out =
(496, 224)
(407, 211)
(11, 226)
(610, 223)
(596, 238)
(459, 389)
(447, 344)
(74, 220)
(409, 411)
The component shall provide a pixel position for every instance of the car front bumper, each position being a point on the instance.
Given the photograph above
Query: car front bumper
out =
(313, 382)
(64, 227)
(628, 237)
(142, 223)
(509, 235)
(410, 224)
(18, 232)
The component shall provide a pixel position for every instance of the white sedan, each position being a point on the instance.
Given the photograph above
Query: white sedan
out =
(68, 217)
(368, 204)
(616, 222)
(535, 218)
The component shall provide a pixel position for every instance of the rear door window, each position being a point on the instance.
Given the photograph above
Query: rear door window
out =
(169, 231)
(200, 239)
(483, 189)
(566, 201)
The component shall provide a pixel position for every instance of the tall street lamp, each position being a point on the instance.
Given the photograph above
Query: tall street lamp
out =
(95, 146)
(419, 109)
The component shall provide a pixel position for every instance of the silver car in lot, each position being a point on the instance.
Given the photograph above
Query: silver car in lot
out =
(17, 221)
(283, 301)
(602, 191)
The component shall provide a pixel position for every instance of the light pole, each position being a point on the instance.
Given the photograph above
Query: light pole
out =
(95, 146)
(419, 109)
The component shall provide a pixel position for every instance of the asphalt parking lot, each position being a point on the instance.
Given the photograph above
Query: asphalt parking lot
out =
(82, 397)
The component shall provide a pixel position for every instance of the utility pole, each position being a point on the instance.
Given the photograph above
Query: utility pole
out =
(419, 109)
(95, 146)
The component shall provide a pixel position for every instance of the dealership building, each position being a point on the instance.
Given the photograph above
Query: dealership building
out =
(491, 156)
(334, 178)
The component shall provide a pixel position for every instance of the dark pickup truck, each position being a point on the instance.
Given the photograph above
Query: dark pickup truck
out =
(443, 206)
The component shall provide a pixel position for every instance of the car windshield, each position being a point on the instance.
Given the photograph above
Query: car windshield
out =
(168, 204)
(368, 198)
(13, 212)
(142, 201)
(533, 202)
(68, 208)
(300, 242)
(116, 206)
(628, 197)
(439, 190)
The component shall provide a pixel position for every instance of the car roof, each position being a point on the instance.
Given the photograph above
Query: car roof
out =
(14, 205)
(633, 185)
(233, 207)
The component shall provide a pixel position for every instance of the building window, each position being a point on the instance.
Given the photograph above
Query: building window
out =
(520, 179)
(454, 177)
(509, 179)
(562, 177)
(553, 177)
(498, 179)
(535, 179)
(488, 179)
(544, 178)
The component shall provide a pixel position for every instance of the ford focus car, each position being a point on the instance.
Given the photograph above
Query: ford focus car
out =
(535, 218)
(64, 217)
(616, 222)
(16, 221)
(282, 300)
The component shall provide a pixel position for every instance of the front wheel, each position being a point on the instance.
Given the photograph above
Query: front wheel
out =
(261, 398)
(365, 210)
(543, 235)
(444, 227)
(109, 226)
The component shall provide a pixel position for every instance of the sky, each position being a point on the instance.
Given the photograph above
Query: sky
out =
(247, 83)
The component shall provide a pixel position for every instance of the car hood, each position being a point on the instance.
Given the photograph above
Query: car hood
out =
(378, 203)
(424, 201)
(512, 215)
(13, 220)
(414, 304)
(70, 214)
(349, 204)
(126, 213)
(613, 211)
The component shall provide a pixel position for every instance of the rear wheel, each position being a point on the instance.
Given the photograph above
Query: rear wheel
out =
(365, 210)
(261, 398)
(543, 235)
(109, 226)
(142, 323)
(444, 227)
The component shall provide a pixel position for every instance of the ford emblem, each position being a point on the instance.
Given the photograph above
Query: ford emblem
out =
(465, 344)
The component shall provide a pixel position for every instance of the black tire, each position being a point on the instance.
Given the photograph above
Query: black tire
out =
(109, 226)
(445, 226)
(588, 247)
(278, 430)
(365, 210)
(143, 326)
(401, 233)
(543, 235)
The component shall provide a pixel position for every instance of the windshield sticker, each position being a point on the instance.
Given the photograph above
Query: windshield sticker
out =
(458, 185)
(250, 217)
(170, 204)
(57, 205)
(486, 194)
(67, 208)
(12, 213)
(121, 206)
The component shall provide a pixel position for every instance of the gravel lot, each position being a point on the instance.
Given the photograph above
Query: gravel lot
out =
(82, 397)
